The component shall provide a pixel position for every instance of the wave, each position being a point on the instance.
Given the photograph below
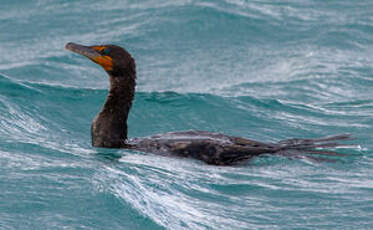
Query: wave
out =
(266, 70)
(268, 102)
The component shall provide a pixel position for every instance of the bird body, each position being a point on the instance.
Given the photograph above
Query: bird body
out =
(109, 128)
(212, 148)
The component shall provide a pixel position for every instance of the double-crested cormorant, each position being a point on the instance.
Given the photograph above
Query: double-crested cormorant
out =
(109, 128)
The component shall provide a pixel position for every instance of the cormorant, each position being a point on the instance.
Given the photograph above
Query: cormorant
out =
(109, 128)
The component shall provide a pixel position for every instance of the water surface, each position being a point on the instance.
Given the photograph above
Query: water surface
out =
(266, 70)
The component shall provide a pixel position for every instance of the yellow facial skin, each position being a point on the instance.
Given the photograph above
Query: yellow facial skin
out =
(93, 53)
(99, 48)
(105, 61)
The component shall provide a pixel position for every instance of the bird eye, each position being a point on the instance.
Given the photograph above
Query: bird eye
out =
(106, 51)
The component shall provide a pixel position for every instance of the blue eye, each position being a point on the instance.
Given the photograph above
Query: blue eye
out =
(106, 51)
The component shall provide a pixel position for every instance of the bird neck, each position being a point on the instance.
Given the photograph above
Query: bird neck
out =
(109, 129)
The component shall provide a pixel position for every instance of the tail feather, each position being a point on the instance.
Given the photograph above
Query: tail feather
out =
(319, 149)
(295, 141)
(312, 146)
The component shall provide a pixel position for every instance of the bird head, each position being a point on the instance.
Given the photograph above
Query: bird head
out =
(114, 59)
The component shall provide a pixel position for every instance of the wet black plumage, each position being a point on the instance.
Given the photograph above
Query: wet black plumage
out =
(109, 128)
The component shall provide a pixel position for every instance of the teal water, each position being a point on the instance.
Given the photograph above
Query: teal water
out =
(266, 70)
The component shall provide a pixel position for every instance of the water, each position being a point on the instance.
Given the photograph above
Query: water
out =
(265, 69)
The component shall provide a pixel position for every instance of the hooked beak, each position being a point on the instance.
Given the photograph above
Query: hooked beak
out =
(90, 52)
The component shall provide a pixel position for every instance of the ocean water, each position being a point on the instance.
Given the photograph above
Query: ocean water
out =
(263, 69)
